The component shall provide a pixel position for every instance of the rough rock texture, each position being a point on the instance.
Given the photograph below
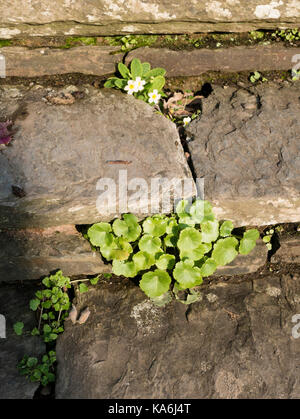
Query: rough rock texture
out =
(236, 343)
(246, 264)
(101, 60)
(14, 305)
(25, 62)
(246, 146)
(31, 254)
(71, 17)
(289, 251)
(259, 58)
(63, 158)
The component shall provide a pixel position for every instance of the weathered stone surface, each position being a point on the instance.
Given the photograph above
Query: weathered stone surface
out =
(101, 60)
(289, 251)
(14, 305)
(31, 254)
(259, 58)
(24, 62)
(60, 153)
(246, 264)
(246, 146)
(105, 17)
(236, 343)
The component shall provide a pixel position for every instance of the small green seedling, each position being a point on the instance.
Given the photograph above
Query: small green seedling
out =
(256, 76)
(268, 237)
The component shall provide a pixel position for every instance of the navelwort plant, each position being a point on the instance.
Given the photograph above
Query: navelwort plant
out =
(140, 81)
(170, 253)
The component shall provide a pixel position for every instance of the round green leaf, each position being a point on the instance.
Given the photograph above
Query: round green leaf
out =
(121, 268)
(226, 228)
(119, 249)
(251, 234)
(209, 267)
(165, 262)
(143, 260)
(150, 244)
(181, 208)
(171, 240)
(83, 288)
(128, 228)
(18, 328)
(210, 231)
(187, 275)
(33, 304)
(155, 283)
(172, 226)
(190, 244)
(98, 234)
(155, 226)
(225, 251)
(246, 245)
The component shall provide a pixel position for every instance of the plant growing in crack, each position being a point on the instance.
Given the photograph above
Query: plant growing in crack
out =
(52, 305)
(140, 81)
(170, 254)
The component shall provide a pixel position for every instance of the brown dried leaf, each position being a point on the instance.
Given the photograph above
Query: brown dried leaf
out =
(84, 316)
(73, 314)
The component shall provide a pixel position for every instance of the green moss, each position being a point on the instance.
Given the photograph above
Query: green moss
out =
(130, 42)
(5, 43)
(79, 40)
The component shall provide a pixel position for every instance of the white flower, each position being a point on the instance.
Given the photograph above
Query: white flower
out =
(131, 87)
(186, 121)
(140, 84)
(154, 97)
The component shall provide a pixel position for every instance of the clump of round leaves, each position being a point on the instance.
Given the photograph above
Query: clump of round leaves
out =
(170, 254)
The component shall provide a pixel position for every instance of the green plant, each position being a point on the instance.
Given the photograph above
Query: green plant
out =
(288, 35)
(256, 35)
(52, 304)
(268, 237)
(5, 43)
(295, 75)
(170, 253)
(256, 76)
(34, 371)
(140, 81)
(79, 40)
(130, 42)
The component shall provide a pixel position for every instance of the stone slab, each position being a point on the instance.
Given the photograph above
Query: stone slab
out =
(14, 305)
(25, 62)
(102, 60)
(234, 59)
(289, 251)
(64, 157)
(236, 343)
(246, 147)
(103, 17)
(32, 254)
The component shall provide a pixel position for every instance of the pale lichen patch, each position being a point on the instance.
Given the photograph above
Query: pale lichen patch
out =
(268, 11)
(147, 317)
(214, 9)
